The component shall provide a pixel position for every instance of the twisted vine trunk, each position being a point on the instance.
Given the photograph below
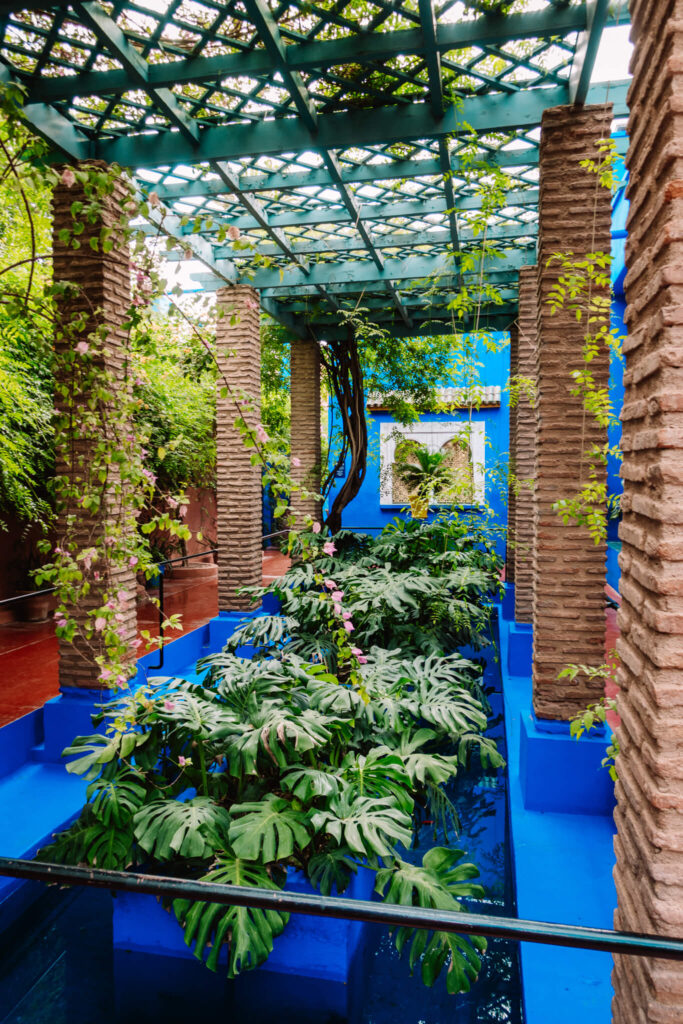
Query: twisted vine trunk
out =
(342, 363)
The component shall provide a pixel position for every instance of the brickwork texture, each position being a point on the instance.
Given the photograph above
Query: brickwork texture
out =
(305, 428)
(512, 493)
(649, 814)
(102, 293)
(238, 483)
(525, 447)
(569, 568)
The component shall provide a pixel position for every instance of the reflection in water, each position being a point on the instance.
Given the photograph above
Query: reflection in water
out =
(58, 965)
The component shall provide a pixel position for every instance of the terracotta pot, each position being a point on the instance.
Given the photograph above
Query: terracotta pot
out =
(34, 607)
(195, 572)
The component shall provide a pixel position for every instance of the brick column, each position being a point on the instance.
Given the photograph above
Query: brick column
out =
(569, 568)
(101, 295)
(525, 451)
(649, 814)
(305, 428)
(512, 491)
(238, 483)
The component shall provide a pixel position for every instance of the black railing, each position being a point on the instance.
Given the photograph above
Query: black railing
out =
(576, 936)
(29, 593)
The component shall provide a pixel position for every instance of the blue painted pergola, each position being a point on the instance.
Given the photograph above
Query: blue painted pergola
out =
(334, 135)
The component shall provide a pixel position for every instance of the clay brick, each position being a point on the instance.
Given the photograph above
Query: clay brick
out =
(568, 567)
(525, 446)
(238, 482)
(305, 427)
(649, 814)
(512, 490)
(103, 298)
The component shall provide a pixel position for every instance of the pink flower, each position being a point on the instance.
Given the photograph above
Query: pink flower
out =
(105, 673)
(122, 596)
(356, 651)
(68, 177)
(261, 434)
(183, 761)
(136, 643)
(233, 233)
(337, 609)
(100, 623)
(132, 561)
(296, 462)
(362, 659)
(337, 595)
(330, 584)
(346, 615)
(60, 619)
(82, 348)
(169, 705)
(316, 527)
(154, 200)
(349, 626)
(329, 548)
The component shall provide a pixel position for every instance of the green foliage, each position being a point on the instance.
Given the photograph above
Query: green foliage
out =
(439, 884)
(596, 714)
(175, 385)
(247, 931)
(277, 762)
(268, 830)
(583, 289)
(168, 828)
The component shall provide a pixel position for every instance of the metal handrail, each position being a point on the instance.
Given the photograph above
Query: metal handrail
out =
(29, 593)
(547, 933)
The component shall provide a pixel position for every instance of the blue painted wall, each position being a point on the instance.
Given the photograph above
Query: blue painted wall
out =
(365, 512)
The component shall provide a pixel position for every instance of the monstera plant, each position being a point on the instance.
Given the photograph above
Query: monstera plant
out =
(263, 765)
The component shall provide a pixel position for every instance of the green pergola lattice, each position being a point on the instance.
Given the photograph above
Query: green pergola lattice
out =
(334, 135)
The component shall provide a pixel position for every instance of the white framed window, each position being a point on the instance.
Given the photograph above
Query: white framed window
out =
(437, 436)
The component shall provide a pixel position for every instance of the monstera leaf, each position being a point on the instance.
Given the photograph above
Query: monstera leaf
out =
(423, 767)
(168, 828)
(370, 827)
(90, 841)
(267, 830)
(279, 732)
(308, 783)
(249, 932)
(440, 883)
(379, 773)
(332, 868)
(453, 712)
(115, 799)
(263, 631)
(97, 750)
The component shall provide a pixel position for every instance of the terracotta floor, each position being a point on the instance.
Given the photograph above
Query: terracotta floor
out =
(28, 650)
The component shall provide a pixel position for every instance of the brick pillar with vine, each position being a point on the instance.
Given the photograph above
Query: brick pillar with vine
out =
(305, 428)
(649, 813)
(569, 567)
(238, 482)
(512, 490)
(525, 446)
(91, 342)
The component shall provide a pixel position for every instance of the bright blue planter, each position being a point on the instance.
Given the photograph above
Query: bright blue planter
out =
(310, 947)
